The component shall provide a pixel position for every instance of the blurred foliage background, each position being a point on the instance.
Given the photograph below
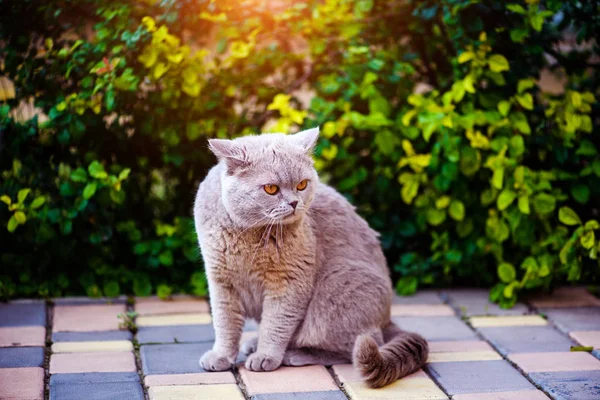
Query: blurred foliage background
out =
(465, 131)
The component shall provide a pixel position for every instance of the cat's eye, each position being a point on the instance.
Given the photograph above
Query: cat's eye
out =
(302, 185)
(271, 189)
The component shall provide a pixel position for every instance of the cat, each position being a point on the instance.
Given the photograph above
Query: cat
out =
(291, 253)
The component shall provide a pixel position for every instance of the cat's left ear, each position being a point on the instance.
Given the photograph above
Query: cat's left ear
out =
(307, 139)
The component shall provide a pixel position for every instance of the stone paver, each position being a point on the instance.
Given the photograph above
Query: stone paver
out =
(92, 362)
(192, 392)
(565, 297)
(417, 386)
(587, 338)
(18, 357)
(19, 336)
(421, 310)
(471, 302)
(74, 301)
(178, 305)
(431, 327)
(174, 319)
(204, 378)
(575, 385)
(559, 361)
(91, 336)
(96, 386)
(421, 297)
(509, 320)
(459, 346)
(327, 395)
(522, 339)
(23, 314)
(176, 334)
(575, 319)
(520, 395)
(92, 347)
(464, 356)
(87, 318)
(173, 358)
(22, 383)
(478, 377)
(314, 378)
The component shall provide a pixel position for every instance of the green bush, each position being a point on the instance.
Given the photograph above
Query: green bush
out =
(486, 179)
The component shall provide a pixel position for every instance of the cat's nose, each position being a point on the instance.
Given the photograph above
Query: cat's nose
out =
(294, 204)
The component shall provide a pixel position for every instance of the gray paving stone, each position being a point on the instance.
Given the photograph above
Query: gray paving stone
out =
(176, 334)
(173, 358)
(91, 336)
(596, 353)
(572, 385)
(421, 297)
(73, 301)
(527, 339)
(437, 328)
(19, 357)
(22, 314)
(326, 395)
(575, 319)
(96, 386)
(472, 302)
(478, 377)
(94, 377)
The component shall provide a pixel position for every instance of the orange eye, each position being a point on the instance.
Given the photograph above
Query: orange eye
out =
(302, 185)
(271, 189)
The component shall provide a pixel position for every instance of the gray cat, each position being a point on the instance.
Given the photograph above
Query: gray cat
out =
(290, 252)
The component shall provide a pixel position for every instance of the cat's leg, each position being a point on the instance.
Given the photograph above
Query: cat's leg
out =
(250, 345)
(228, 322)
(308, 356)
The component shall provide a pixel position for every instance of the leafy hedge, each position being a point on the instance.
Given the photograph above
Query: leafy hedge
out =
(434, 123)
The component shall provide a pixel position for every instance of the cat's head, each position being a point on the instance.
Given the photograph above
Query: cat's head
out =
(268, 178)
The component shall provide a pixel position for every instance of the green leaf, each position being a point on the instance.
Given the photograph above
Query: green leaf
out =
(442, 202)
(89, 191)
(505, 199)
(20, 217)
(407, 285)
(586, 148)
(587, 349)
(12, 224)
(164, 291)
(504, 107)
(525, 84)
(97, 171)
(124, 174)
(436, 217)
(544, 203)
(592, 224)
(581, 193)
(112, 289)
(5, 199)
(526, 101)
(22, 195)
(588, 239)
(38, 202)
(524, 204)
(457, 210)
(465, 56)
(536, 21)
(506, 272)
(498, 63)
(79, 175)
(517, 8)
(569, 217)
(530, 264)
(142, 286)
(517, 146)
(166, 258)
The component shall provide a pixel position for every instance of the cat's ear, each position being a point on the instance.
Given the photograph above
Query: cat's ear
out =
(232, 152)
(307, 139)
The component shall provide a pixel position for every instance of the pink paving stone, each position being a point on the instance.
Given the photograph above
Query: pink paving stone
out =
(347, 373)
(177, 305)
(565, 297)
(555, 362)
(314, 378)
(421, 310)
(207, 378)
(92, 362)
(22, 383)
(87, 318)
(454, 346)
(587, 338)
(520, 395)
(22, 336)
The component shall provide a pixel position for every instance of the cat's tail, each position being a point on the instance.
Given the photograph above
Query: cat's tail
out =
(402, 354)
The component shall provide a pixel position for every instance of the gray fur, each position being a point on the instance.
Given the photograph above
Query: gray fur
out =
(315, 278)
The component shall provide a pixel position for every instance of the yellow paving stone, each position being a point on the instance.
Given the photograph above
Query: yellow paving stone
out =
(421, 310)
(453, 346)
(508, 320)
(518, 395)
(193, 392)
(464, 356)
(91, 347)
(406, 389)
(174, 319)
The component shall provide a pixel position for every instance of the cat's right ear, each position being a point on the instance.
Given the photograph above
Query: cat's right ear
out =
(233, 153)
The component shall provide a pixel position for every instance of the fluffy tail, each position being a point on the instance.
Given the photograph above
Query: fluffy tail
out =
(401, 355)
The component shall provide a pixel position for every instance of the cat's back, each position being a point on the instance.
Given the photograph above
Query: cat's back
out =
(208, 208)
(341, 232)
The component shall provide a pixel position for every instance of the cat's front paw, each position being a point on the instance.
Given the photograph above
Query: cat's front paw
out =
(214, 361)
(262, 362)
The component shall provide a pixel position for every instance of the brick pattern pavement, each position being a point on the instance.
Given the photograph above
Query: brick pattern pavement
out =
(73, 349)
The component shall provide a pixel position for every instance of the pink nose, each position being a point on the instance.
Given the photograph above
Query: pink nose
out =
(294, 204)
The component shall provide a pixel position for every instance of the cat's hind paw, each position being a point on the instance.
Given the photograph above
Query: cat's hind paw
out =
(250, 346)
(262, 362)
(213, 361)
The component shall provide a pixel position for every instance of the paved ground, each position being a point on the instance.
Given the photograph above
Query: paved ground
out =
(73, 349)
